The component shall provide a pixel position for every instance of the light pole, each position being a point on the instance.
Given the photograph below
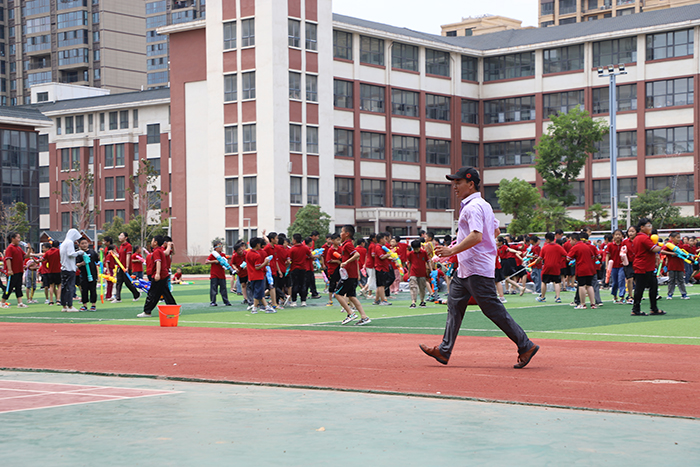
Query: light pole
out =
(170, 226)
(629, 208)
(612, 73)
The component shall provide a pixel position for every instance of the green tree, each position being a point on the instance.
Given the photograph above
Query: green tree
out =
(654, 204)
(596, 212)
(308, 219)
(519, 198)
(550, 215)
(133, 228)
(563, 150)
(13, 218)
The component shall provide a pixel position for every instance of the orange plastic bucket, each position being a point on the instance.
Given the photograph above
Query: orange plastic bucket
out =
(169, 315)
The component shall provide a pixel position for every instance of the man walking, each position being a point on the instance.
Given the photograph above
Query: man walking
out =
(476, 253)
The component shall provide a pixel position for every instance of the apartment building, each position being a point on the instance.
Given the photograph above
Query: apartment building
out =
(560, 12)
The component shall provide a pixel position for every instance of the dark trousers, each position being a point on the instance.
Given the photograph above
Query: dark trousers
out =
(641, 282)
(298, 284)
(123, 279)
(279, 288)
(311, 283)
(88, 291)
(14, 283)
(158, 289)
(67, 288)
(483, 289)
(220, 285)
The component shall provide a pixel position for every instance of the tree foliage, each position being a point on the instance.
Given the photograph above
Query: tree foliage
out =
(551, 215)
(308, 219)
(654, 204)
(133, 228)
(13, 218)
(519, 198)
(563, 150)
(596, 212)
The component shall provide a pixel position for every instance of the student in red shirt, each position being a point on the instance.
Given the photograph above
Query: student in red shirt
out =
(418, 265)
(676, 269)
(124, 253)
(110, 265)
(256, 264)
(552, 255)
(52, 259)
(645, 268)
(298, 255)
(613, 260)
(383, 269)
(158, 274)
(585, 269)
(44, 272)
(270, 250)
(627, 255)
(371, 284)
(137, 262)
(348, 284)
(333, 261)
(217, 277)
(310, 276)
(535, 262)
(237, 260)
(14, 269)
(282, 257)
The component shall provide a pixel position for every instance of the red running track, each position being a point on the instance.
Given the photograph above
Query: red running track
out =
(644, 378)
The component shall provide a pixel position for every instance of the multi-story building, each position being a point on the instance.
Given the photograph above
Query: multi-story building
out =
(161, 13)
(263, 95)
(107, 135)
(100, 43)
(485, 24)
(560, 12)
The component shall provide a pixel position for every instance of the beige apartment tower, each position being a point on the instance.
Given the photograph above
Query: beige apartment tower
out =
(557, 12)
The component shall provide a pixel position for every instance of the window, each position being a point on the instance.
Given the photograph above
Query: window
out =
(44, 206)
(312, 190)
(438, 196)
(670, 44)
(601, 190)
(74, 18)
(578, 190)
(437, 151)
(230, 35)
(563, 59)
(437, 63)
(102, 122)
(250, 190)
(65, 4)
(469, 68)
(294, 85)
(123, 119)
(58, 125)
(294, 32)
(682, 186)
(509, 66)
(567, 6)
(109, 216)
(626, 99)
(567, 21)
(120, 188)
(153, 132)
(342, 45)
(135, 118)
(509, 153)
(311, 36)
(372, 145)
(153, 78)
(405, 194)
(76, 37)
(247, 32)
(404, 56)
(230, 88)
(615, 51)
(182, 16)
(79, 123)
(344, 192)
(404, 103)
(109, 189)
(371, 98)
(36, 25)
(119, 159)
(231, 240)
(371, 50)
(295, 190)
(155, 7)
(437, 107)
(109, 156)
(342, 94)
(547, 8)
(66, 218)
(470, 111)
(69, 125)
(65, 192)
(294, 138)
(231, 144)
(343, 142)
(113, 117)
(75, 158)
(373, 192)
(678, 140)
(491, 198)
(157, 63)
(470, 154)
(43, 143)
(248, 85)
(626, 146)
(35, 7)
(155, 165)
(312, 88)
(405, 148)
(152, 36)
(136, 151)
(34, 44)
(562, 102)
(670, 93)
(312, 140)
(249, 138)
(231, 191)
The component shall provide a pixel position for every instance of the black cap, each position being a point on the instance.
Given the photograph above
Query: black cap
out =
(470, 174)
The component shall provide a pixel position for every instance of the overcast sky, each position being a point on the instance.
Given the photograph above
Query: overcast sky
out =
(428, 15)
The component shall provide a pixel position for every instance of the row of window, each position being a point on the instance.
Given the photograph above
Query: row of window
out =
(659, 142)
(295, 86)
(555, 60)
(294, 34)
(117, 120)
(295, 138)
(249, 139)
(247, 86)
(247, 34)
(250, 190)
(404, 194)
(404, 148)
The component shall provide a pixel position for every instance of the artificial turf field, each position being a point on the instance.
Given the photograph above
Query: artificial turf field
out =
(541, 320)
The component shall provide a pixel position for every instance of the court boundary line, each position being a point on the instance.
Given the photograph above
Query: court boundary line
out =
(350, 390)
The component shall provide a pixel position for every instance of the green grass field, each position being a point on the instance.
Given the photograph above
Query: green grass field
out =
(542, 321)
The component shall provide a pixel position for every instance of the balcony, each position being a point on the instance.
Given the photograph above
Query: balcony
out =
(179, 4)
(72, 77)
(37, 63)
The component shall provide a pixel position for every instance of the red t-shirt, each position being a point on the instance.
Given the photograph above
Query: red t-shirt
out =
(281, 254)
(309, 265)
(674, 263)
(42, 265)
(402, 251)
(217, 270)
(418, 262)
(237, 260)
(298, 254)
(16, 254)
(167, 261)
(369, 261)
(535, 252)
(53, 260)
(582, 253)
(331, 257)
(613, 249)
(158, 256)
(567, 245)
(644, 258)
(254, 258)
(123, 250)
(363, 255)
(136, 263)
(552, 255)
(347, 249)
(381, 264)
